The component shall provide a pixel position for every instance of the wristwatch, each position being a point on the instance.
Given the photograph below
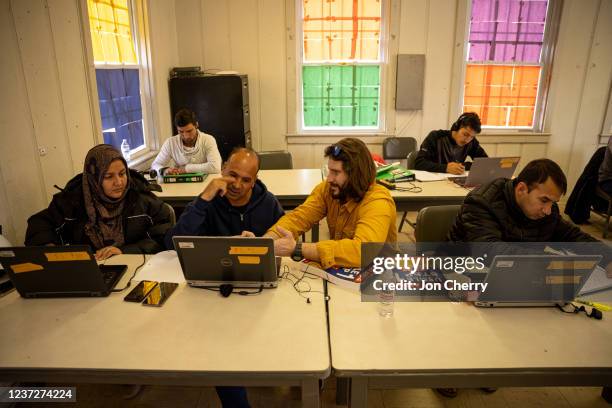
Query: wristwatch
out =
(296, 255)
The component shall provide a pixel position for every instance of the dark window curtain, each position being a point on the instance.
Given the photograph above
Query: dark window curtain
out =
(120, 108)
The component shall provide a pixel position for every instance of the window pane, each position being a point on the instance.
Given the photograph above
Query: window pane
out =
(111, 34)
(341, 95)
(341, 30)
(120, 108)
(502, 95)
(507, 30)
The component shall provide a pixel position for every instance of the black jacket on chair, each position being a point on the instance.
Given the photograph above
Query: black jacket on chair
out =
(145, 218)
(579, 202)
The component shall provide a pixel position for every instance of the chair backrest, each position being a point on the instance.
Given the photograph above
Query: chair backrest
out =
(275, 160)
(411, 160)
(433, 223)
(398, 147)
(172, 214)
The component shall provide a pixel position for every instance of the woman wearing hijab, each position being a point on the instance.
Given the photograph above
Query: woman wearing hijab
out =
(108, 207)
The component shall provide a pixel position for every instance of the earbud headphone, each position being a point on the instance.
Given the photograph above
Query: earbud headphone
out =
(326, 297)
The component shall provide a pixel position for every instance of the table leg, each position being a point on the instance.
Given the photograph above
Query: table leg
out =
(342, 386)
(310, 393)
(359, 392)
(606, 394)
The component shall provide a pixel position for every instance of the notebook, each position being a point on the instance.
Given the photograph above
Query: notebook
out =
(58, 271)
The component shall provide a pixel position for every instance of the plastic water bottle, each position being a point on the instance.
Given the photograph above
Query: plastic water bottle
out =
(386, 297)
(125, 150)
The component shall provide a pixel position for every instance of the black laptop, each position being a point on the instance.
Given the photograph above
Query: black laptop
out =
(58, 271)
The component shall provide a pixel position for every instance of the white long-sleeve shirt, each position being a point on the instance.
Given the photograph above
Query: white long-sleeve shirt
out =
(204, 157)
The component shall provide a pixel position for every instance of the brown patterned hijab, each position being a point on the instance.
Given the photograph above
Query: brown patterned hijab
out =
(105, 225)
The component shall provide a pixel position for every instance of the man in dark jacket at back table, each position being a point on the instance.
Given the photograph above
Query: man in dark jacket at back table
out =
(235, 204)
(445, 151)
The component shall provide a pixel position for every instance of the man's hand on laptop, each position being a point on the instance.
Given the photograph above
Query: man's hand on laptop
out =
(455, 168)
(247, 234)
(174, 170)
(107, 252)
(285, 244)
(216, 186)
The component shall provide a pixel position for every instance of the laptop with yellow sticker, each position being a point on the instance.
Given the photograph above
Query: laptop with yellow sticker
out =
(58, 271)
(214, 261)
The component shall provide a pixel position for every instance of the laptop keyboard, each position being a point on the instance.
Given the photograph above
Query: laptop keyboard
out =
(459, 180)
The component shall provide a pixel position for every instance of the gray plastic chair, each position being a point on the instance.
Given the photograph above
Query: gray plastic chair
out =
(411, 160)
(433, 223)
(398, 147)
(275, 160)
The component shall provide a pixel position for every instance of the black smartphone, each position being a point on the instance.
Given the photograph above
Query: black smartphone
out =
(140, 291)
(160, 294)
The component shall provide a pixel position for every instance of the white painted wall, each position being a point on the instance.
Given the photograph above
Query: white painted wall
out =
(46, 100)
(46, 96)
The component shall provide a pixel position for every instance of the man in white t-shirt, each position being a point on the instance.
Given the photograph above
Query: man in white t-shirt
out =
(191, 151)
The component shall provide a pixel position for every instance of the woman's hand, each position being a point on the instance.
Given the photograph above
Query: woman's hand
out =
(107, 252)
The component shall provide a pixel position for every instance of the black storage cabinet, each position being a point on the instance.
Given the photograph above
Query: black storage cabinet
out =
(221, 103)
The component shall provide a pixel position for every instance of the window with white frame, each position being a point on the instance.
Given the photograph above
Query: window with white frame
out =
(508, 58)
(340, 64)
(121, 77)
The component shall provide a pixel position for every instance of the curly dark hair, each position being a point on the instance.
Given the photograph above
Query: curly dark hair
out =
(357, 163)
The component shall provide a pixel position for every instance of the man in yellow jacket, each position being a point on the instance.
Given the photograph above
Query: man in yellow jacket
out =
(357, 210)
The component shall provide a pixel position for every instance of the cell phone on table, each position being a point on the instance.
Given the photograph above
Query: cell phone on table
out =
(160, 294)
(140, 291)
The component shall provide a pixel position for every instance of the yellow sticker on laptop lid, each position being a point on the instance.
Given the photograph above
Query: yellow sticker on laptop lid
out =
(508, 162)
(26, 267)
(67, 256)
(248, 260)
(575, 265)
(248, 250)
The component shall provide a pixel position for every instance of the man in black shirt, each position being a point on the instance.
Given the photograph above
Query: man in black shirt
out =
(445, 151)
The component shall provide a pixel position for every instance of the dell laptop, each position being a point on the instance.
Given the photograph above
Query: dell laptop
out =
(214, 261)
(487, 169)
(58, 271)
(536, 280)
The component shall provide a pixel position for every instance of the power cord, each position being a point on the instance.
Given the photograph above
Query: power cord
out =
(296, 281)
(144, 260)
(595, 313)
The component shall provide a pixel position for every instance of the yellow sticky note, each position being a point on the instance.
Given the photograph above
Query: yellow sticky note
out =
(26, 267)
(562, 279)
(575, 265)
(507, 162)
(248, 250)
(249, 260)
(67, 256)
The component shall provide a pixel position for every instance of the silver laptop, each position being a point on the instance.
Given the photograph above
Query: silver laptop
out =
(487, 169)
(535, 280)
(214, 261)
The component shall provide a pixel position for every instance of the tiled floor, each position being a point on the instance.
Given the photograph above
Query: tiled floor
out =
(96, 395)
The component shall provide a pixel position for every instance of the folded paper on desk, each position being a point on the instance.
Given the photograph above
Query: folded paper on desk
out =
(598, 281)
(349, 278)
(162, 267)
